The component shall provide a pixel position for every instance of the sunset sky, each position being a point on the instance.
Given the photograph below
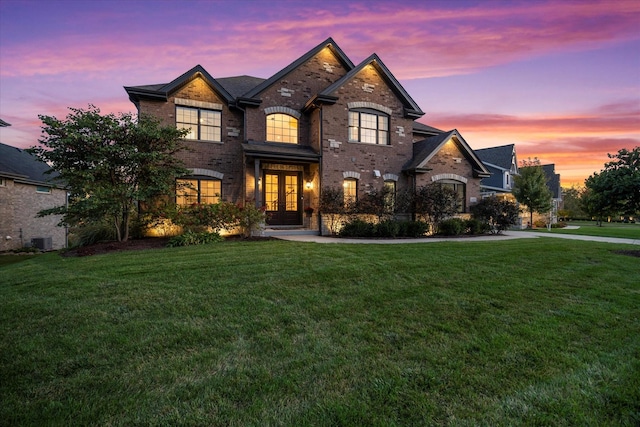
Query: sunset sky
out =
(560, 79)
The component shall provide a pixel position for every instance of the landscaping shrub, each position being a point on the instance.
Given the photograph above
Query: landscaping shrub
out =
(191, 238)
(413, 228)
(387, 228)
(475, 226)
(559, 224)
(497, 214)
(451, 227)
(539, 223)
(357, 228)
(89, 234)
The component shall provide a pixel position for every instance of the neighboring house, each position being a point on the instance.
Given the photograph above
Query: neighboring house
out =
(503, 164)
(553, 183)
(26, 189)
(321, 122)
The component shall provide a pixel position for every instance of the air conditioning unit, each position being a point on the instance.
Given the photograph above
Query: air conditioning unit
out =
(42, 243)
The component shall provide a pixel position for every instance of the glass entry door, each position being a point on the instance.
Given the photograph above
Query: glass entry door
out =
(282, 191)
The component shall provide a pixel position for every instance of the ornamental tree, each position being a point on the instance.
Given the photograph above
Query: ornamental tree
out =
(617, 186)
(109, 164)
(498, 214)
(530, 188)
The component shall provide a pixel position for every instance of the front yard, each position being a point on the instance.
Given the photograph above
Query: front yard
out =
(537, 332)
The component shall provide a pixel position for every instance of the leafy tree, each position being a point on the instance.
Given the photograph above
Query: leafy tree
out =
(571, 199)
(434, 202)
(332, 206)
(530, 188)
(109, 164)
(595, 205)
(498, 214)
(617, 186)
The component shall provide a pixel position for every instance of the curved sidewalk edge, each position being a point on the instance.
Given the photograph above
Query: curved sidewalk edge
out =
(577, 237)
(509, 235)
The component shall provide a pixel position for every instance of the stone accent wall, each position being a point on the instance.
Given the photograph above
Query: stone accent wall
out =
(19, 205)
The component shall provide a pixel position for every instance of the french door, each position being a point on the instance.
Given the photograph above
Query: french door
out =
(282, 191)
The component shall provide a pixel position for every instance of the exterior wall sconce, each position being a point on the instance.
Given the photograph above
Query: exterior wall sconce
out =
(309, 185)
(376, 173)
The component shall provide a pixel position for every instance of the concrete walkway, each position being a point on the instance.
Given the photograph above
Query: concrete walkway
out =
(508, 235)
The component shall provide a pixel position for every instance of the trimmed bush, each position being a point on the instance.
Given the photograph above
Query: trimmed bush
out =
(413, 228)
(387, 228)
(476, 226)
(451, 227)
(191, 238)
(357, 228)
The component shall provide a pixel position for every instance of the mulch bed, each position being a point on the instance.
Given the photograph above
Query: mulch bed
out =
(629, 252)
(137, 245)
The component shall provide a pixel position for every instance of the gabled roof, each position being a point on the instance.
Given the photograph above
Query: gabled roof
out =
(411, 108)
(328, 43)
(22, 166)
(553, 180)
(162, 91)
(425, 130)
(424, 150)
(501, 157)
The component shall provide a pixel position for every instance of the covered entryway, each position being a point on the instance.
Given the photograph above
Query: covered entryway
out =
(283, 197)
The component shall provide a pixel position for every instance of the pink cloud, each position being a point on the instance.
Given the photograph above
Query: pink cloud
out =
(417, 41)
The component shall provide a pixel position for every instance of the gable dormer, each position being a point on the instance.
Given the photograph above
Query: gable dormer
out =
(162, 92)
(309, 74)
(372, 65)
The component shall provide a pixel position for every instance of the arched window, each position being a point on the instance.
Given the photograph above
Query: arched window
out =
(368, 126)
(390, 194)
(459, 188)
(282, 128)
(350, 189)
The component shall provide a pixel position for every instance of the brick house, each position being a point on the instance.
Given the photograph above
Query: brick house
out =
(25, 190)
(320, 122)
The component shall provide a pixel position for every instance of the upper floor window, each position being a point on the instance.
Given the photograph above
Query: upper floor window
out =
(350, 189)
(3, 182)
(369, 126)
(282, 128)
(43, 189)
(203, 191)
(204, 125)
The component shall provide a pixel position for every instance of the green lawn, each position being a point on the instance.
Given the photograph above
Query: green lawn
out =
(608, 229)
(516, 332)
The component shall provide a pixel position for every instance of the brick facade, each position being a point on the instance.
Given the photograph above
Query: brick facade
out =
(319, 89)
(19, 205)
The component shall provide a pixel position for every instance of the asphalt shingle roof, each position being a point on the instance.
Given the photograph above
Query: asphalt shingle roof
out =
(501, 156)
(19, 164)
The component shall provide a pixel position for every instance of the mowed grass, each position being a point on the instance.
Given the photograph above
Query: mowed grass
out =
(519, 332)
(608, 229)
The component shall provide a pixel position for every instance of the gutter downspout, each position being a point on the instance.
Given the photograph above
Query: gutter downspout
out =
(321, 138)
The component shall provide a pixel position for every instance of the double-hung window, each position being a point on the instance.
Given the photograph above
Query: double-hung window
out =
(192, 190)
(368, 126)
(203, 124)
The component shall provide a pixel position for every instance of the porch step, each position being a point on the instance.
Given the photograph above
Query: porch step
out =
(289, 231)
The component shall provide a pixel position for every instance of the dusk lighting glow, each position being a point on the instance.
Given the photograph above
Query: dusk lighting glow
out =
(560, 79)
